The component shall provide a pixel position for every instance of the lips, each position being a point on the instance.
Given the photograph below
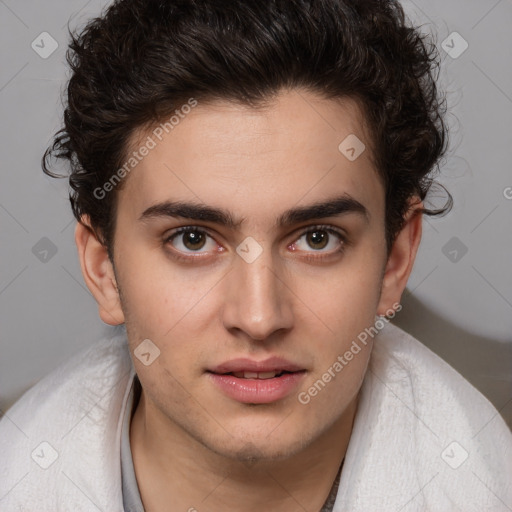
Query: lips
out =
(257, 382)
(272, 364)
(256, 375)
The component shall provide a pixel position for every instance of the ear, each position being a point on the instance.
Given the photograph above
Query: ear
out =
(98, 273)
(401, 258)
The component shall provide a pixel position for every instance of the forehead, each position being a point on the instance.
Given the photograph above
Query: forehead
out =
(256, 162)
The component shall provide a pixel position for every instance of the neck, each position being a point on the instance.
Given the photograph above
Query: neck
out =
(173, 468)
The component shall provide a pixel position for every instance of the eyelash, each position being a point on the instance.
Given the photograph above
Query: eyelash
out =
(309, 258)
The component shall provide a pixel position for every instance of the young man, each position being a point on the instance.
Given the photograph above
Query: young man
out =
(249, 180)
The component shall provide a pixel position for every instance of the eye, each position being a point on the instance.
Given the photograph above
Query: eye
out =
(325, 240)
(319, 238)
(190, 239)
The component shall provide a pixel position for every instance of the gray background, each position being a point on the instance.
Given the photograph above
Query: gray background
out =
(458, 303)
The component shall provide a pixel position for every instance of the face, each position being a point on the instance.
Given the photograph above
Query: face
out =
(259, 282)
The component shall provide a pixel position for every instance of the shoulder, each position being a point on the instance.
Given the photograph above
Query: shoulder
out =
(424, 435)
(412, 370)
(60, 437)
(438, 394)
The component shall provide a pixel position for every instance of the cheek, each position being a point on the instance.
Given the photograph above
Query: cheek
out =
(338, 378)
(342, 344)
(157, 295)
(347, 300)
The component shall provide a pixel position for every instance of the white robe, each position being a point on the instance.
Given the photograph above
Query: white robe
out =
(424, 439)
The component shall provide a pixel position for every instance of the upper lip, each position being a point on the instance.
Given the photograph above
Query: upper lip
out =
(248, 365)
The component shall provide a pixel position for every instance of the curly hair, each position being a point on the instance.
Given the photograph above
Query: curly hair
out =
(141, 59)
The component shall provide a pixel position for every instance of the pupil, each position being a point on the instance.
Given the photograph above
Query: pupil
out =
(318, 237)
(193, 239)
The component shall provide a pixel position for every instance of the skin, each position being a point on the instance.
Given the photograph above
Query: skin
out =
(194, 447)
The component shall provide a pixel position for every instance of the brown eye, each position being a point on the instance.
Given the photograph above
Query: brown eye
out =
(190, 239)
(313, 241)
(193, 240)
(317, 239)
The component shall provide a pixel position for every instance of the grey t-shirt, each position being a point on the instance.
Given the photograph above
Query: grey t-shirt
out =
(131, 496)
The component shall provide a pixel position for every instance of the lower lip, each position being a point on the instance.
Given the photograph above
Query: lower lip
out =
(257, 391)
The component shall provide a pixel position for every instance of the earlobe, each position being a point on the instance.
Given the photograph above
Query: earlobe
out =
(401, 259)
(98, 273)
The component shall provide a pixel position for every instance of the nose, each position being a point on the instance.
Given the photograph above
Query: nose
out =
(257, 298)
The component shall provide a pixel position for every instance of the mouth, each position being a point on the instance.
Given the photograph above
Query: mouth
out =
(257, 375)
(252, 382)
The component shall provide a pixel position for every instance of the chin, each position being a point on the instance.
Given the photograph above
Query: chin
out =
(250, 447)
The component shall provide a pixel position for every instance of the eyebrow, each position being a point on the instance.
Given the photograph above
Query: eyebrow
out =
(337, 206)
